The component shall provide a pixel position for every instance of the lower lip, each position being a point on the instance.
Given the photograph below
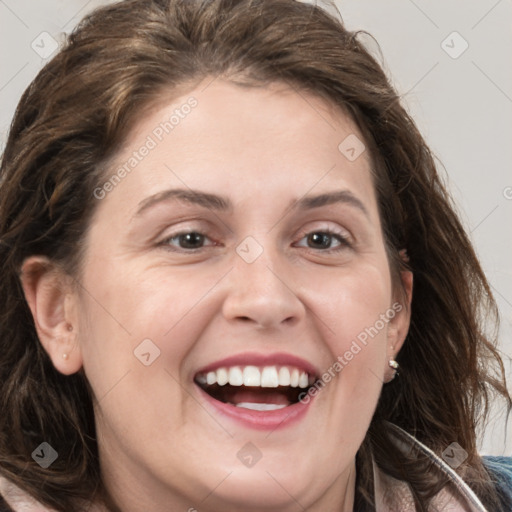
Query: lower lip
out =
(261, 420)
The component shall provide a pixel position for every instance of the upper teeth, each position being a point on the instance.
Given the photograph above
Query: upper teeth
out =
(266, 377)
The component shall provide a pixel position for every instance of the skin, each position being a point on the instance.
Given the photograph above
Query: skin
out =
(161, 446)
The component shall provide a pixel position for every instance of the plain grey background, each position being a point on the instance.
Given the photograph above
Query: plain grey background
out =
(449, 59)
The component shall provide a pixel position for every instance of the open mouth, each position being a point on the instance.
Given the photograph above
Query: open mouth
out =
(257, 388)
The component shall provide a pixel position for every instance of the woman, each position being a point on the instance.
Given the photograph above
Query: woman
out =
(222, 236)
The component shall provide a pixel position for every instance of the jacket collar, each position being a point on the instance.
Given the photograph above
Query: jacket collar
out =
(392, 495)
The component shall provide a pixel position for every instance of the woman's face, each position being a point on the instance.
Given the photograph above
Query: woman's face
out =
(243, 244)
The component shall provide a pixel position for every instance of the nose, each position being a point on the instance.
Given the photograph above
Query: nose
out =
(263, 293)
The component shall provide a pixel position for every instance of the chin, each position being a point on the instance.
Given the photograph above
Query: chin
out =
(257, 490)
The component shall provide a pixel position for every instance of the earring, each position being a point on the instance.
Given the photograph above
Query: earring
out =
(393, 364)
(65, 356)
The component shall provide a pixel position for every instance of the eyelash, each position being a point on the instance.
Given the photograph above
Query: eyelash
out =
(343, 239)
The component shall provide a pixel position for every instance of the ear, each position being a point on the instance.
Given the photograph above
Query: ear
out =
(398, 326)
(49, 294)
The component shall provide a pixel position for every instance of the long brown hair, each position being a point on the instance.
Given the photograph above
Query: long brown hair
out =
(76, 114)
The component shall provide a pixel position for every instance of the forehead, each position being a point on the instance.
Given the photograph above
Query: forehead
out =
(243, 140)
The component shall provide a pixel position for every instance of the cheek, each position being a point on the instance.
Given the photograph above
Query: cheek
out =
(352, 305)
(355, 311)
(138, 320)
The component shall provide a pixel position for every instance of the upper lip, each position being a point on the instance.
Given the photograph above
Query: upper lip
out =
(261, 360)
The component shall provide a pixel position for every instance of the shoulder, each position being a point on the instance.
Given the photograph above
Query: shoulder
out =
(3, 505)
(12, 499)
(502, 466)
(500, 469)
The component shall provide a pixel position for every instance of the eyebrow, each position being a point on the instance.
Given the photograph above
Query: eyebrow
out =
(222, 203)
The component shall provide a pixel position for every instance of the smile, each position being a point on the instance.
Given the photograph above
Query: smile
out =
(263, 395)
(250, 387)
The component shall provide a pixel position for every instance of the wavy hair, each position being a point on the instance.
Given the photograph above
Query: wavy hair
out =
(76, 114)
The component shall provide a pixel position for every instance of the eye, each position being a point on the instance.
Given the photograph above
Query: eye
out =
(319, 239)
(323, 239)
(185, 240)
